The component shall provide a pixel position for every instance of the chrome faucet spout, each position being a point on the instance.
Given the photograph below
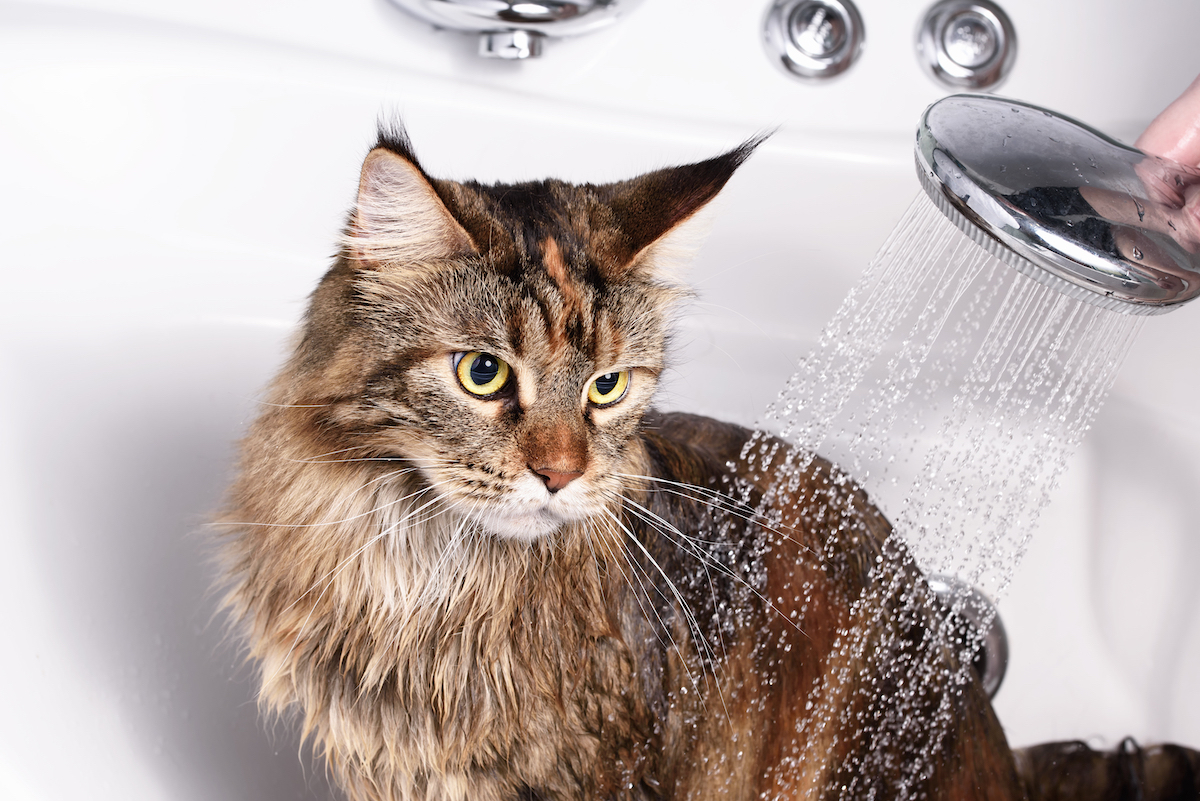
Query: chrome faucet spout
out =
(515, 29)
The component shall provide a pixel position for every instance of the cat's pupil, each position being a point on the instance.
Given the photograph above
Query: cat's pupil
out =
(484, 369)
(607, 382)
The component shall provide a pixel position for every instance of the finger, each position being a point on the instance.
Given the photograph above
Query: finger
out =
(1175, 133)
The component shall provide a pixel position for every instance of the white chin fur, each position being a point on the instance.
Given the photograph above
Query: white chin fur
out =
(534, 518)
(521, 526)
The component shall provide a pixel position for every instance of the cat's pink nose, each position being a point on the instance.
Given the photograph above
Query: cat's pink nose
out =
(556, 479)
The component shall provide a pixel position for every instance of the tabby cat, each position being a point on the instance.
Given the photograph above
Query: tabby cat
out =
(464, 549)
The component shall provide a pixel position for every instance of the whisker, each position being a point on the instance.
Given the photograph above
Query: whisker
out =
(332, 576)
(430, 590)
(320, 460)
(708, 495)
(613, 559)
(734, 507)
(336, 570)
(650, 520)
(647, 585)
(293, 405)
(689, 617)
(321, 523)
(332, 453)
(389, 475)
(686, 542)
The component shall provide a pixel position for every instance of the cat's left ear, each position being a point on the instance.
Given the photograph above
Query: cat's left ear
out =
(399, 219)
(650, 211)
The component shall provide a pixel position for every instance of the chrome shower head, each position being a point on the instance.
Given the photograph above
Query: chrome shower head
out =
(1063, 203)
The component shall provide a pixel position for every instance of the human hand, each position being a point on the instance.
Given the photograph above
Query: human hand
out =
(1175, 134)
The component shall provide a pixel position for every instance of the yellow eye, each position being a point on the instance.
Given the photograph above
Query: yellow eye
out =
(481, 374)
(609, 388)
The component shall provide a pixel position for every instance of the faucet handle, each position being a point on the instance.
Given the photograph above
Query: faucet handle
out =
(813, 39)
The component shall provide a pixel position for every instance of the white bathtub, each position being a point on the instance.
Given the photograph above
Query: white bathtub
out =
(172, 180)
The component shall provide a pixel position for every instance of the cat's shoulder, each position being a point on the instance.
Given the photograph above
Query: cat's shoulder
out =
(741, 467)
(684, 434)
(684, 443)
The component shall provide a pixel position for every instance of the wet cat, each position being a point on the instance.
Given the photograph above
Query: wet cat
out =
(478, 564)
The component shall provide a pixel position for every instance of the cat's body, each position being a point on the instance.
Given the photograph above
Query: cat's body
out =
(480, 568)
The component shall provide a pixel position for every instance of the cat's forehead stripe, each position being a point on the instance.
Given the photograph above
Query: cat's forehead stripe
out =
(556, 268)
(566, 307)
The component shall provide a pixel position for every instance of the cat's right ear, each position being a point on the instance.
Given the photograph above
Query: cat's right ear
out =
(399, 221)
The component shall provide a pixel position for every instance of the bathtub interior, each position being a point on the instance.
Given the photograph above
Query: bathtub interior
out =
(174, 181)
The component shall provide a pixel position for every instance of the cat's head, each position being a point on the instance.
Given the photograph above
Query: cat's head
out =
(506, 339)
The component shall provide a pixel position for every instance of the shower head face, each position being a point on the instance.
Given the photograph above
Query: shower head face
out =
(1062, 202)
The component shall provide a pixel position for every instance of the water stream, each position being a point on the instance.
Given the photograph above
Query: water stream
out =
(954, 390)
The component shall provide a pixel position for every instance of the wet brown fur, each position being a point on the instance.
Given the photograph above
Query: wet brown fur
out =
(670, 643)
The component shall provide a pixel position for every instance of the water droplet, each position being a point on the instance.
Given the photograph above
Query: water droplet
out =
(946, 404)
(1140, 211)
(1137, 254)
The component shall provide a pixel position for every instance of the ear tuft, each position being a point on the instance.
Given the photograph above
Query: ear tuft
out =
(399, 218)
(391, 135)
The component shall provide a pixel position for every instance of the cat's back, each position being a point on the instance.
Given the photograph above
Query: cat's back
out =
(773, 551)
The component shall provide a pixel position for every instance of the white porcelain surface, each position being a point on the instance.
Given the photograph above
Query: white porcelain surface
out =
(172, 181)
